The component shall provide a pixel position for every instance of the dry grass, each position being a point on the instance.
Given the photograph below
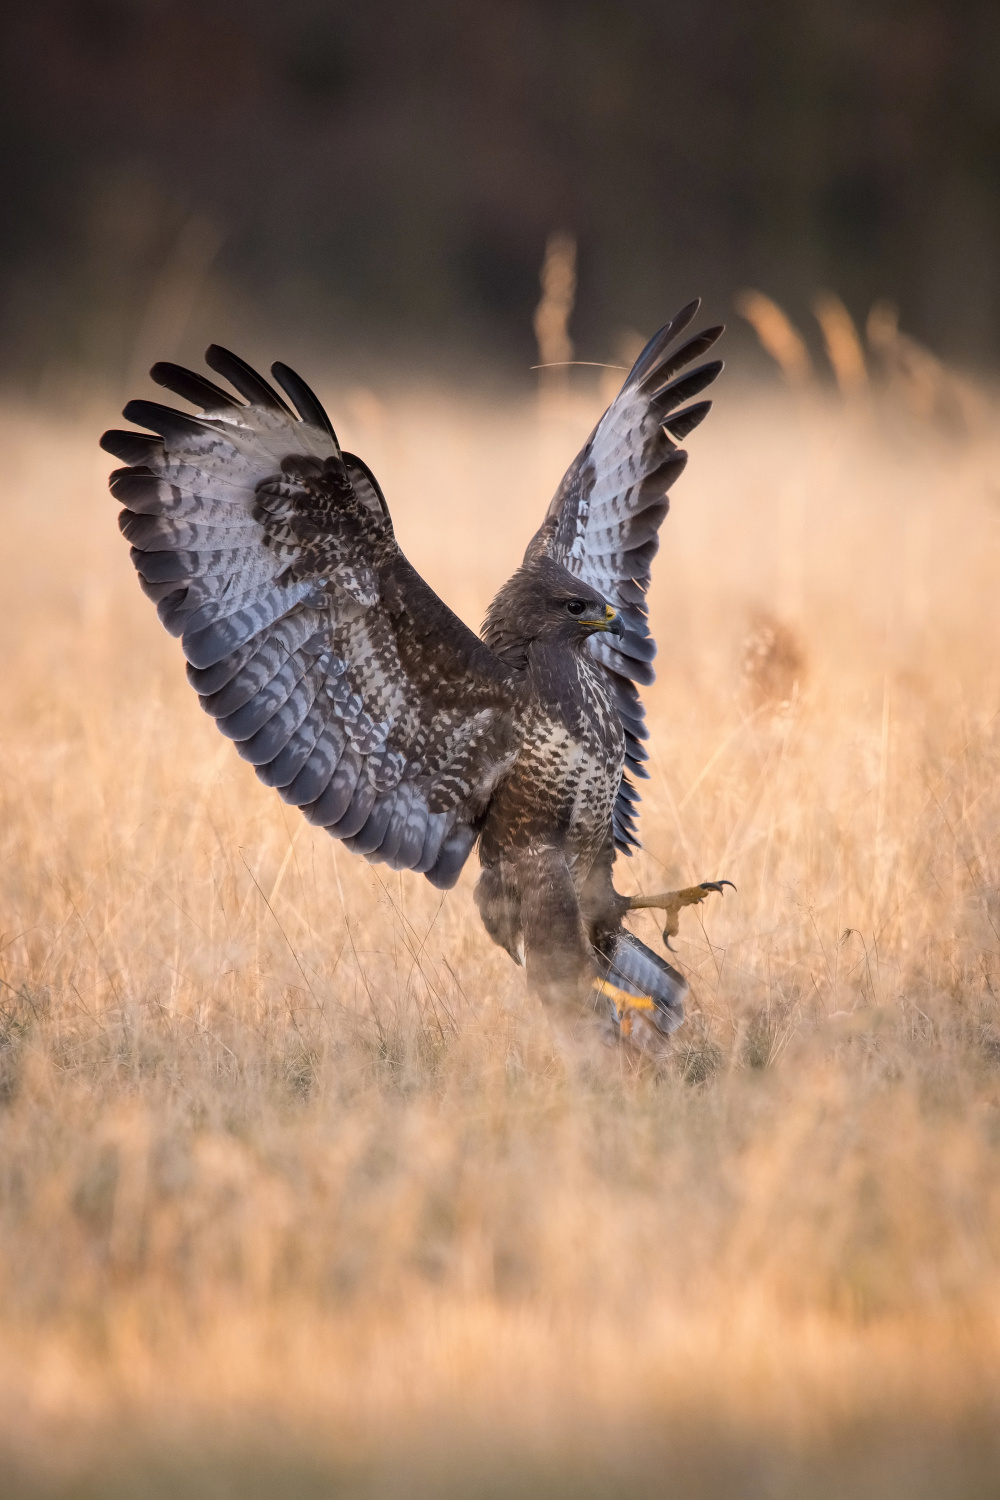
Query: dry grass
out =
(295, 1197)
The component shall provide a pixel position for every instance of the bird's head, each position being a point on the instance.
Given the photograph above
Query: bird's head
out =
(544, 601)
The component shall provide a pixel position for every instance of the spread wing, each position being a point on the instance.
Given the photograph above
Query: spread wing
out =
(604, 520)
(318, 649)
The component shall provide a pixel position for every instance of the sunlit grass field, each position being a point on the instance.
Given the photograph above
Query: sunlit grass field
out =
(296, 1195)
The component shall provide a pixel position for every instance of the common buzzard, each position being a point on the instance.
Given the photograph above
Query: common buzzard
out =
(355, 691)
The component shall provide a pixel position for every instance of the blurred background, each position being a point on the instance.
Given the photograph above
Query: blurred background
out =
(378, 182)
(296, 1195)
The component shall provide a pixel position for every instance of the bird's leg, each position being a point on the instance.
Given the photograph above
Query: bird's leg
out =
(556, 951)
(670, 903)
(498, 897)
(558, 958)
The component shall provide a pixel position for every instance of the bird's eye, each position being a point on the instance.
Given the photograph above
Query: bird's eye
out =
(576, 606)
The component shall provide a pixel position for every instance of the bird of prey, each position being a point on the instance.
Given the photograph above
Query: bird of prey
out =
(362, 699)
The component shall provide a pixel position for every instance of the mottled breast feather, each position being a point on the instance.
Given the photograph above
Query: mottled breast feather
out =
(338, 673)
(603, 523)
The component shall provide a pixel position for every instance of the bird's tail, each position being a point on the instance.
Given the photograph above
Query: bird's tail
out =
(638, 982)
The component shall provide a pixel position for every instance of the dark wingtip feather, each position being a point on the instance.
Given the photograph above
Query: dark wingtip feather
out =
(683, 422)
(132, 483)
(165, 420)
(308, 404)
(245, 379)
(131, 447)
(115, 439)
(658, 343)
(663, 369)
(197, 389)
(684, 387)
(351, 460)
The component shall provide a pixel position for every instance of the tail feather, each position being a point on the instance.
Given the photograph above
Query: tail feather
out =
(630, 972)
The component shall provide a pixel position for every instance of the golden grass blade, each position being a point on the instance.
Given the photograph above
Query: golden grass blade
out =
(843, 346)
(552, 315)
(777, 335)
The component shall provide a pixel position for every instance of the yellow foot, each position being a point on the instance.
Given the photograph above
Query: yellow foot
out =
(623, 1001)
(670, 903)
(633, 1018)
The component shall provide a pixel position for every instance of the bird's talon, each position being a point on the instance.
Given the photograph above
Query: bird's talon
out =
(671, 903)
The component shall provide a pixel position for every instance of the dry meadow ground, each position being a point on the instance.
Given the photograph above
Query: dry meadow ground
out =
(295, 1196)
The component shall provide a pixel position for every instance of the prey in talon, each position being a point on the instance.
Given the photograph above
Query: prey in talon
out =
(356, 693)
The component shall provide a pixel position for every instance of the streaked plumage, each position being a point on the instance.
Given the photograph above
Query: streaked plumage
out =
(358, 695)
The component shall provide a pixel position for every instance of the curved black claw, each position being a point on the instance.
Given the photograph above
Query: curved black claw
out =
(687, 898)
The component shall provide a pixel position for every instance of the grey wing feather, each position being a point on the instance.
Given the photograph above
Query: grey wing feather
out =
(603, 523)
(344, 680)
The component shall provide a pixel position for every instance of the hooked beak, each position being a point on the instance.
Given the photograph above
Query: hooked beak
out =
(612, 623)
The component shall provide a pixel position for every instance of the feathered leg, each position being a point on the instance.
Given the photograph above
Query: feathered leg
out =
(498, 897)
(529, 906)
(556, 950)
